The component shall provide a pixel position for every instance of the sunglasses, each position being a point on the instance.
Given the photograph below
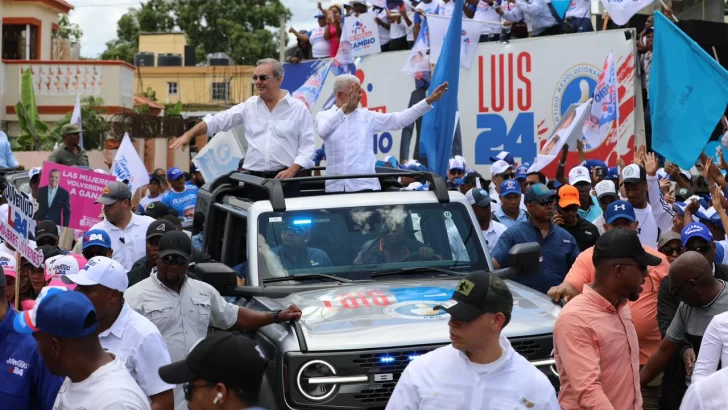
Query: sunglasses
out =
(544, 202)
(700, 249)
(189, 388)
(261, 77)
(674, 250)
(94, 251)
(507, 175)
(174, 260)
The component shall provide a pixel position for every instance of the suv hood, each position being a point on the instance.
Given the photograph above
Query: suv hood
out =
(396, 313)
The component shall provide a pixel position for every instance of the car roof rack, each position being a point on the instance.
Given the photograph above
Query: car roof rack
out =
(272, 189)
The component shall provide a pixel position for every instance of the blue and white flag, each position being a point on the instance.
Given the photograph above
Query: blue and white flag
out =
(605, 105)
(688, 94)
(310, 90)
(469, 37)
(128, 165)
(418, 60)
(561, 6)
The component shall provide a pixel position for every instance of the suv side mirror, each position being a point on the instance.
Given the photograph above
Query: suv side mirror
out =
(525, 258)
(218, 275)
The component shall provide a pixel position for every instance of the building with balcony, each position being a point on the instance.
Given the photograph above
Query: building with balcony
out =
(168, 65)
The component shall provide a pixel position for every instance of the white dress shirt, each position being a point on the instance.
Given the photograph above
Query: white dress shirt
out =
(276, 139)
(493, 233)
(350, 139)
(446, 379)
(137, 343)
(129, 245)
(713, 348)
(708, 394)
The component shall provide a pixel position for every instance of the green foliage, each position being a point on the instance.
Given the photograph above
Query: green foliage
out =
(241, 29)
(150, 94)
(173, 109)
(32, 130)
(94, 125)
(67, 30)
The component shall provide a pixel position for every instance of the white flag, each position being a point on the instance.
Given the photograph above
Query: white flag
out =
(128, 165)
(567, 131)
(470, 36)
(76, 118)
(620, 11)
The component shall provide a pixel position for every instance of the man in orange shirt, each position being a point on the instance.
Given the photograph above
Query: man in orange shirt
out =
(620, 215)
(595, 341)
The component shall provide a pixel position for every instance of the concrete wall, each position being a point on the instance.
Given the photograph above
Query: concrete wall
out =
(194, 84)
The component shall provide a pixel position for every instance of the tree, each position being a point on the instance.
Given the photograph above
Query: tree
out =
(240, 29)
(67, 30)
(94, 125)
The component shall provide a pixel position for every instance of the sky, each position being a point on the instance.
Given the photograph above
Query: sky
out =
(97, 19)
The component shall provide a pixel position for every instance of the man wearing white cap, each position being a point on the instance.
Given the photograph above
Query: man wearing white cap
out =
(455, 168)
(499, 172)
(653, 214)
(134, 340)
(589, 208)
(606, 194)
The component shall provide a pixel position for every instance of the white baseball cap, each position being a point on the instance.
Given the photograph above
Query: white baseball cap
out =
(456, 163)
(61, 265)
(606, 187)
(33, 172)
(579, 174)
(103, 271)
(499, 167)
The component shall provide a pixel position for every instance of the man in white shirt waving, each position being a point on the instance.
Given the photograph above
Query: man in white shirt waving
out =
(134, 340)
(348, 132)
(278, 128)
(479, 369)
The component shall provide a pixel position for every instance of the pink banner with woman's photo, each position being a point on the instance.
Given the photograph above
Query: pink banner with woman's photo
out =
(66, 196)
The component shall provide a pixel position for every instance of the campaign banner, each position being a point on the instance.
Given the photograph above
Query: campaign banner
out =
(604, 110)
(362, 34)
(568, 130)
(310, 90)
(66, 196)
(513, 97)
(219, 156)
(21, 208)
(21, 244)
(469, 38)
(129, 166)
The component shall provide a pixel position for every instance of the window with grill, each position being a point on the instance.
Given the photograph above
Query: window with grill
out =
(172, 88)
(220, 91)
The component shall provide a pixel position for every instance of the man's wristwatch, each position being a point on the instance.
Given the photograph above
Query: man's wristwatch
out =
(276, 316)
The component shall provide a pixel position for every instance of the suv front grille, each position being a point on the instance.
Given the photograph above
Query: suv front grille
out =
(399, 360)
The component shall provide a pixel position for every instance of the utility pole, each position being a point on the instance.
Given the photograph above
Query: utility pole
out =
(282, 41)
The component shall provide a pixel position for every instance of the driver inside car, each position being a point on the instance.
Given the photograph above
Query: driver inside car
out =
(393, 246)
(294, 252)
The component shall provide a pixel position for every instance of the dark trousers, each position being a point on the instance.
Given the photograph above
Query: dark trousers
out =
(551, 31)
(484, 38)
(398, 44)
(384, 47)
(417, 95)
(581, 25)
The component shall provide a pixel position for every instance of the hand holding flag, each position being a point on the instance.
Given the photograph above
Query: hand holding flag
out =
(437, 94)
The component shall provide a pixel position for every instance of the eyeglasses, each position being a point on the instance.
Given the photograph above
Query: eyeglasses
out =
(507, 175)
(189, 388)
(544, 202)
(261, 77)
(671, 250)
(174, 259)
(700, 249)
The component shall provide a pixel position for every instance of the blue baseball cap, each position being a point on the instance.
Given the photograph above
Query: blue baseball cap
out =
(415, 166)
(174, 174)
(613, 173)
(59, 312)
(695, 230)
(96, 237)
(510, 186)
(537, 192)
(522, 172)
(710, 215)
(594, 163)
(504, 156)
(619, 209)
(318, 16)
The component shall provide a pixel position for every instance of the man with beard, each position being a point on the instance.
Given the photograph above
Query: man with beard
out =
(168, 296)
(126, 229)
(595, 342)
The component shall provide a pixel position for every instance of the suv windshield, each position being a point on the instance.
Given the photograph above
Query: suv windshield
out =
(355, 242)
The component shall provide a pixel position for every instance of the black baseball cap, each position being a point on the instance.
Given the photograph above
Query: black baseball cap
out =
(682, 194)
(46, 229)
(157, 209)
(159, 228)
(622, 244)
(115, 191)
(223, 357)
(477, 294)
(175, 243)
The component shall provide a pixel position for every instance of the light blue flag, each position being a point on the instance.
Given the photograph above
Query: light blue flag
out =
(438, 125)
(688, 94)
(561, 6)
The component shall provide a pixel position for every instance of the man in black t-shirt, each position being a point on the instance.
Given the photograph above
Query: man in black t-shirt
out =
(567, 217)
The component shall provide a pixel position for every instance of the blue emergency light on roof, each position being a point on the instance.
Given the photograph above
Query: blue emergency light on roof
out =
(413, 357)
(302, 222)
(386, 359)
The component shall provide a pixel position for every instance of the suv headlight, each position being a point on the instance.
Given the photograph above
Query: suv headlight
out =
(315, 391)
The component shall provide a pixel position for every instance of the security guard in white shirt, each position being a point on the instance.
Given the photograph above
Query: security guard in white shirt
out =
(278, 127)
(348, 130)
(480, 369)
